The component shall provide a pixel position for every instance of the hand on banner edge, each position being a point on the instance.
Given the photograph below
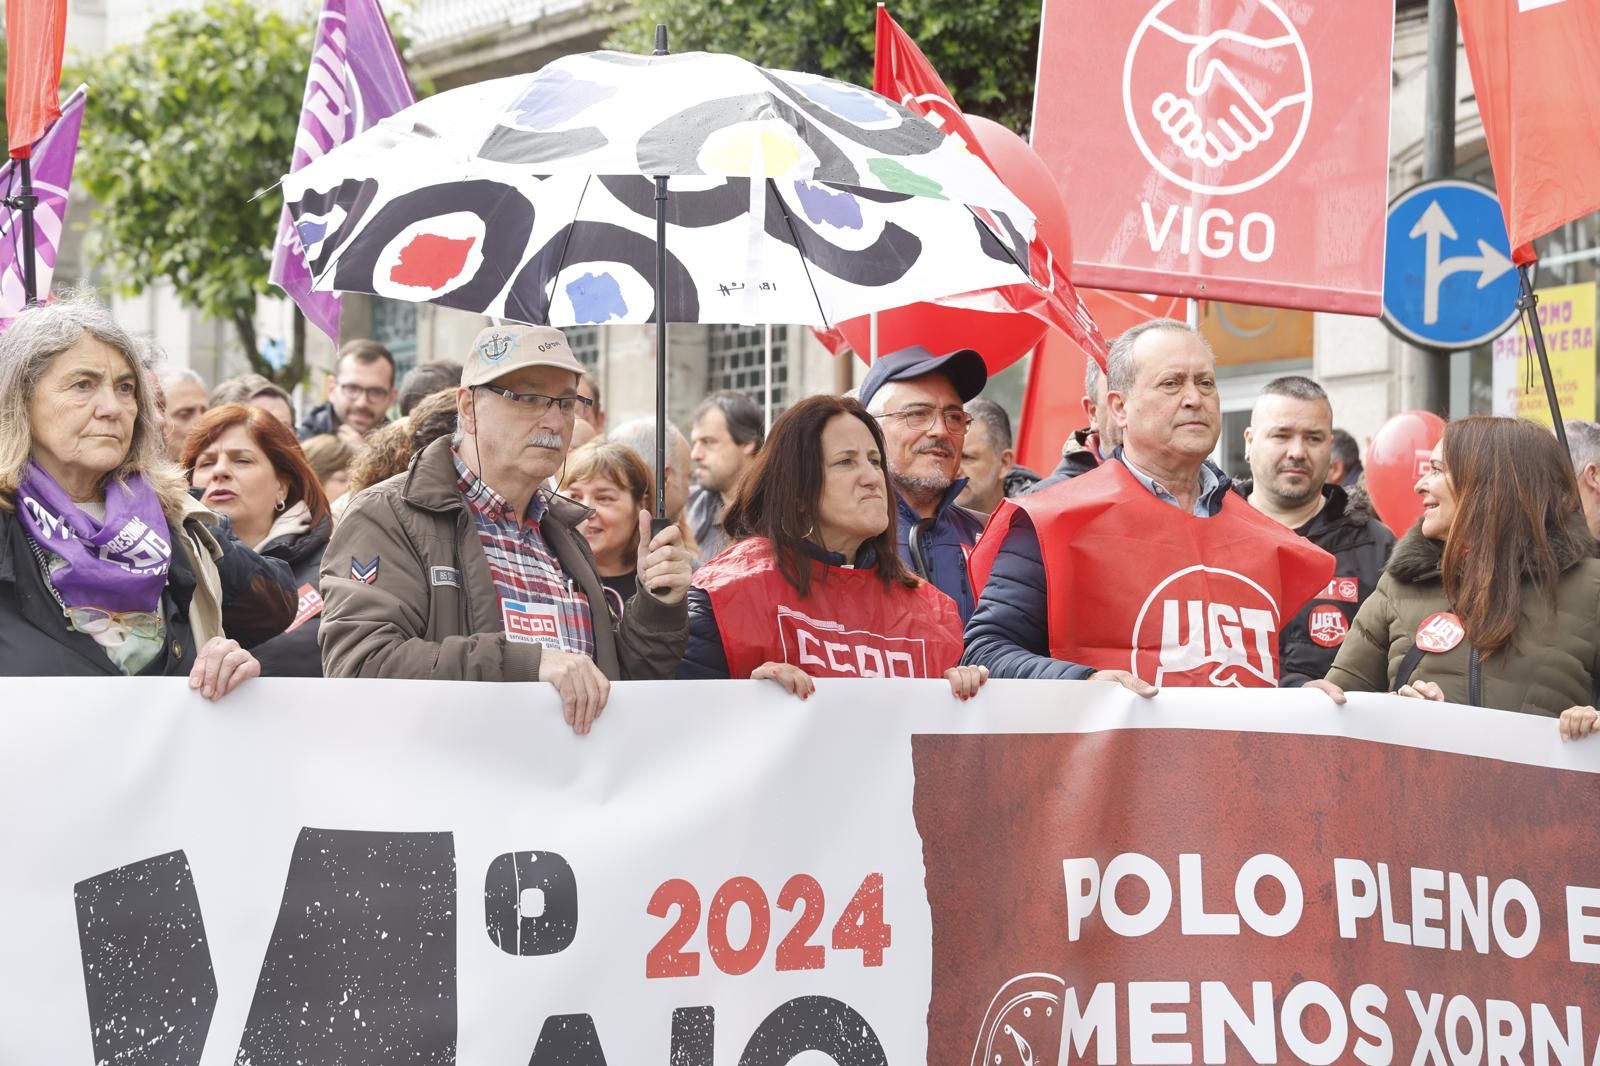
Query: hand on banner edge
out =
(1132, 682)
(1423, 690)
(221, 667)
(1333, 692)
(1578, 722)
(582, 687)
(965, 681)
(792, 678)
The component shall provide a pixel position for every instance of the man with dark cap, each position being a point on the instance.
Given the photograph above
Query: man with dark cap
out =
(917, 398)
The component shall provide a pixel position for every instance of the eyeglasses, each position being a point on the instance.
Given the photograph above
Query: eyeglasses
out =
(111, 628)
(538, 403)
(918, 417)
(375, 395)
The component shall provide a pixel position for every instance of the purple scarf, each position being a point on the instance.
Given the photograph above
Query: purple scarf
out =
(117, 565)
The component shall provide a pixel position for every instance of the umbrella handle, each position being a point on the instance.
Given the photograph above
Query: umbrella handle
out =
(657, 524)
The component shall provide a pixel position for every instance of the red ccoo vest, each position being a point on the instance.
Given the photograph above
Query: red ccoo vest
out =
(1134, 583)
(850, 625)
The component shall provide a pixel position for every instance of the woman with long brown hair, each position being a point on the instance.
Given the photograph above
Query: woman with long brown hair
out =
(1493, 598)
(813, 585)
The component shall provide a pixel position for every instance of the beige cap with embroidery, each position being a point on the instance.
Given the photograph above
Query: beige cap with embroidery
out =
(500, 350)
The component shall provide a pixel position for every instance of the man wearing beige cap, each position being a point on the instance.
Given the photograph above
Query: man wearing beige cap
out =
(467, 567)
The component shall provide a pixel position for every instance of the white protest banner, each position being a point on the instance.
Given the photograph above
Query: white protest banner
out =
(373, 872)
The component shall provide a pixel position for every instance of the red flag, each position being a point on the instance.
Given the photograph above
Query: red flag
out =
(36, 32)
(1051, 407)
(1538, 85)
(1222, 149)
(902, 73)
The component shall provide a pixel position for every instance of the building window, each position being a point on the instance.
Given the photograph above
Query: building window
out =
(585, 344)
(394, 325)
(738, 362)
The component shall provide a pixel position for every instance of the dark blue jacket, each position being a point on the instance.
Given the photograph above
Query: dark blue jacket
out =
(1009, 631)
(941, 542)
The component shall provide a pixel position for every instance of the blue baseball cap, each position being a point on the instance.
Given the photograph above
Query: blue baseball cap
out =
(964, 367)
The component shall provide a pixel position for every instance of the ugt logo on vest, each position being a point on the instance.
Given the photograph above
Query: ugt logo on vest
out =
(828, 649)
(1207, 626)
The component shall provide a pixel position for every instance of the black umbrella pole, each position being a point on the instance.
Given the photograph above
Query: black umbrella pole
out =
(661, 355)
(27, 202)
(1529, 305)
(661, 522)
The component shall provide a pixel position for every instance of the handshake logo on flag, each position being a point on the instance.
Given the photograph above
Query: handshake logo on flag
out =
(1218, 100)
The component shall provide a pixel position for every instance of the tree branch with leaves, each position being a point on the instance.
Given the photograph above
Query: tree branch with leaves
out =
(187, 132)
(985, 50)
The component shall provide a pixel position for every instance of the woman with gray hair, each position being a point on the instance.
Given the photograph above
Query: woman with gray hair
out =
(107, 565)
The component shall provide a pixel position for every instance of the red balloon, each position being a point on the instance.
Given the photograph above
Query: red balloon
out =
(1396, 458)
(1001, 336)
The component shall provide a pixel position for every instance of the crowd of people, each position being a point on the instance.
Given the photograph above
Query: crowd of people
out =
(478, 521)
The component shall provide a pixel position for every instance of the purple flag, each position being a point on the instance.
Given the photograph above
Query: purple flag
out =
(53, 156)
(356, 79)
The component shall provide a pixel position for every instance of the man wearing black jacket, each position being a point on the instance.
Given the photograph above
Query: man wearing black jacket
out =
(1289, 445)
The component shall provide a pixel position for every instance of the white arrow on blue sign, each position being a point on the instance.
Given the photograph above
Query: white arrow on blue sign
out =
(1448, 280)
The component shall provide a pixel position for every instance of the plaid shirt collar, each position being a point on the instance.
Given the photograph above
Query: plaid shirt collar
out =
(489, 503)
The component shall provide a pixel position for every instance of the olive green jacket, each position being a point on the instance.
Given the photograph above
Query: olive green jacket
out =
(1550, 665)
(430, 609)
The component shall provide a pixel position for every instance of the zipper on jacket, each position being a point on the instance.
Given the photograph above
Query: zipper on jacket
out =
(1474, 679)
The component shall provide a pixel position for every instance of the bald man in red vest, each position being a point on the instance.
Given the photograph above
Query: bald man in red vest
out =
(1148, 570)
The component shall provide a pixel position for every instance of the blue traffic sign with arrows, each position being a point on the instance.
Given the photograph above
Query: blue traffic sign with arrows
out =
(1448, 280)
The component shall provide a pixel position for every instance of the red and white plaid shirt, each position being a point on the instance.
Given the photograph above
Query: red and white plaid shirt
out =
(525, 571)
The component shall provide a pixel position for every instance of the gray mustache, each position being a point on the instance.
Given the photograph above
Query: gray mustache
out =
(545, 440)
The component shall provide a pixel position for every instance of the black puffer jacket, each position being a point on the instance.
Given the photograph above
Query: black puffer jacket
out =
(1081, 455)
(295, 653)
(1349, 530)
(1019, 481)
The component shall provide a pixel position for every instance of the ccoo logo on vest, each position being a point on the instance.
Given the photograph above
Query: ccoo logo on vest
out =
(825, 648)
(1205, 626)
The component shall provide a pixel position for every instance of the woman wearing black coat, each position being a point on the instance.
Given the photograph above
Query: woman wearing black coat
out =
(107, 566)
(249, 467)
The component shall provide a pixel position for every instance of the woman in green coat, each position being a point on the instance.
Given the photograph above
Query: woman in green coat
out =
(1493, 598)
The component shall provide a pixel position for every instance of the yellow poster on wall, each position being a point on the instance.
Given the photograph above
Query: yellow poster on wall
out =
(1567, 315)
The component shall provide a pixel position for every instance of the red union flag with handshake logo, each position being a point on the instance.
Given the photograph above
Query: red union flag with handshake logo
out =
(1222, 149)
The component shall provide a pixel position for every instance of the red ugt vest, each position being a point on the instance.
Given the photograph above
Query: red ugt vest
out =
(1134, 583)
(849, 626)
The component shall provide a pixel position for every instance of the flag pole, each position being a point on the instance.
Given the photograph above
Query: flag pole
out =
(1528, 304)
(766, 343)
(26, 202)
